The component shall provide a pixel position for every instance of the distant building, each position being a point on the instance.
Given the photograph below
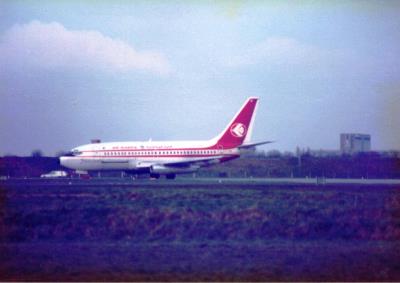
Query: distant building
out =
(354, 143)
(325, 152)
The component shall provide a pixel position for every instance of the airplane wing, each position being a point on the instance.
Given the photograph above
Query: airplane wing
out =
(250, 145)
(177, 167)
(181, 164)
(200, 162)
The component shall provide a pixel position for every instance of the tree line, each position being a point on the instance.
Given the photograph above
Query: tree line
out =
(257, 165)
(362, 165)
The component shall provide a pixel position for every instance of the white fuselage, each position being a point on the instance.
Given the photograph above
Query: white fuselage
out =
(141, 155)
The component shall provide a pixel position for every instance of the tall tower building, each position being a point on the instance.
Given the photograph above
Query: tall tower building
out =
(354, 143)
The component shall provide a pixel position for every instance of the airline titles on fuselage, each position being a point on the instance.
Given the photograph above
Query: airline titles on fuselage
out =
(151, 151)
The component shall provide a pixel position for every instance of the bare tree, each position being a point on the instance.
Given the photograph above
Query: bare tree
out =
(37, 153)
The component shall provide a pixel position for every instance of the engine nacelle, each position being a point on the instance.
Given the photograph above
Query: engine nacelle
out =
(161, 169)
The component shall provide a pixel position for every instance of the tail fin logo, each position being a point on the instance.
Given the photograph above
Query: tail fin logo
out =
(238, 130)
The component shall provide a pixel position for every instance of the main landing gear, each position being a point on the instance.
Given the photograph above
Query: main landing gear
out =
(169, 176)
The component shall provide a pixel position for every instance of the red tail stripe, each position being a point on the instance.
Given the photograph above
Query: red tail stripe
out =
(237, 130)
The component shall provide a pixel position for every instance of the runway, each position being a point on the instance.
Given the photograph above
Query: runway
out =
(202, 230)
(199, 182)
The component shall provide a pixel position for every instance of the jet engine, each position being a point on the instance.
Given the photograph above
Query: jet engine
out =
(162, 169)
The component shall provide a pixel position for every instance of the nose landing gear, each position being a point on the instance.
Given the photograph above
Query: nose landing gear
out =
(154, 176)
(169, 176)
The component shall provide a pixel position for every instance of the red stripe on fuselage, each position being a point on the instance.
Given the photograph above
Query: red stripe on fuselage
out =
(214, 147)
(146, 156)
(116, 156)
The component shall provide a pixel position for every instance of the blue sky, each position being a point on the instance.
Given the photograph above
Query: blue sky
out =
(71, 71)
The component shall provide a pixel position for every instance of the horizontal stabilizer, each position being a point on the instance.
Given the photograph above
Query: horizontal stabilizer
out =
(250, 145)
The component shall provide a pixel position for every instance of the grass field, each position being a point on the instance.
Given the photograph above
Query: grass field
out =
(219, 232)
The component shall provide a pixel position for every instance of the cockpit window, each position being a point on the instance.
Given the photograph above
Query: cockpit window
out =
(76, 152)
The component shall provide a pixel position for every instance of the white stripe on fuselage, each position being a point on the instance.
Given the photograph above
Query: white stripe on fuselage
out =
(134, 155)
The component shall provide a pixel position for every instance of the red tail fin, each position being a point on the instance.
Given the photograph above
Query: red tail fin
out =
(239, 129)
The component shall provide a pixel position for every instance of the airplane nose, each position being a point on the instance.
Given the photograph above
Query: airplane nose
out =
(61, 160)
(70, 162)
(65, 161)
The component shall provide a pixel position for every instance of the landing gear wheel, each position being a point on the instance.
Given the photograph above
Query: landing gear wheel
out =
(170, 176)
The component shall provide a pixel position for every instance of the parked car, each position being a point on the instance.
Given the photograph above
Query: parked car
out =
(55, 174)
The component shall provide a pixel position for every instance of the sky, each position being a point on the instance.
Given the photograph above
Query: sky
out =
(71, 71)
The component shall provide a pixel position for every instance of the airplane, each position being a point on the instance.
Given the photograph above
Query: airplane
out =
(168, 157)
